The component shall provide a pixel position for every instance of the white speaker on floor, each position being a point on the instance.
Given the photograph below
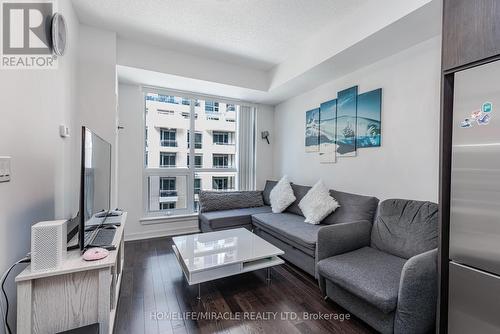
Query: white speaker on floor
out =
(48, 245)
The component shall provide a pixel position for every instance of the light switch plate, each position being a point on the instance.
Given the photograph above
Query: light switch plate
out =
(64, 131)
(4, 169)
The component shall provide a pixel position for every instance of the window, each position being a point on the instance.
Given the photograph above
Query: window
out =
(211, 106)
(222, 183)
(198, 161)
(167, 159)
(197, 189)
(223, 138)
(198, 138)
(172, 182)
(167, 206)
(168, 187)
(223, 161)
(197, 186)
(167, 137)
(165, 112)
(164, 98)
(187, 115)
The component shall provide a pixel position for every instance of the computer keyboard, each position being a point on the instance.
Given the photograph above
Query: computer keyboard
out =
(104, 237)
(88, 237)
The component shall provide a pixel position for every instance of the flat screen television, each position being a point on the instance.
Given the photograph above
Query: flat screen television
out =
(95, 183)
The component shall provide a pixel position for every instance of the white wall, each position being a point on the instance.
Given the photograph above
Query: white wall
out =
(97, 96)
(264, 151)
(406, 165)
(44, 184)
(152, 58)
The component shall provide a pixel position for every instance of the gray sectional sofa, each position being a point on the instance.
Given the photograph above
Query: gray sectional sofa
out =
(377, 261)
(286, 230)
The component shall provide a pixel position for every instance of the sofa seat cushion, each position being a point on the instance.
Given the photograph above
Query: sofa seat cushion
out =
(229, 218)
(367, 273)
(291, 227)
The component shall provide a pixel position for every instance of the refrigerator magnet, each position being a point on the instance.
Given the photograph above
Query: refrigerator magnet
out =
(484, 120)
(476, 114)
(466, 123)
(487, 107)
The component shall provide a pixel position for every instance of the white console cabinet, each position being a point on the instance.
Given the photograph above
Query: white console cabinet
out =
(78, 293)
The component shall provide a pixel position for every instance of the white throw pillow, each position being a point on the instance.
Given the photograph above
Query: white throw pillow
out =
(317, 204)
(281, 195)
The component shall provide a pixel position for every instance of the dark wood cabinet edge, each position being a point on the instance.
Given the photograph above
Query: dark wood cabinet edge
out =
(471, 65)
(447, 83)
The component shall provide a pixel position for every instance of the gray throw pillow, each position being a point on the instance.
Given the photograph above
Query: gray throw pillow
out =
(228, 200)
(267, 191)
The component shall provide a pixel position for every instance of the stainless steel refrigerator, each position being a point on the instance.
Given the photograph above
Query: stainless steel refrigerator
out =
(474, 275)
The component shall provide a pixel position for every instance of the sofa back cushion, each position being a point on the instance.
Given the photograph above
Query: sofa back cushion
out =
(228, 200)
(352, 208)
(405, 228)
(267, 191)
(299, 192)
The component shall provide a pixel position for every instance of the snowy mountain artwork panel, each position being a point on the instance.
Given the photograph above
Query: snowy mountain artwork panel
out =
(312, 130)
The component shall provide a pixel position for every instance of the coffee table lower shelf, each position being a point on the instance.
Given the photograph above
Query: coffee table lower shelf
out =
(213, 273)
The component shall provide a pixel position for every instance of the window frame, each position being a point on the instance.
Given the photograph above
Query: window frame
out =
(197, 155)
(227, 159)
(170, 155)
(230, 184)
(169, 208)
(167, 132)
(189, 172)
(214, 106)
(171, 180)
(198, 145)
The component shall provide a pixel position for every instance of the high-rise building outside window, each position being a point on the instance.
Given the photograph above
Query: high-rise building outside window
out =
(175, 172)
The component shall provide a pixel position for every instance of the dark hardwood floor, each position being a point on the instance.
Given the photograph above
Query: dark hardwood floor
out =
(155, 298)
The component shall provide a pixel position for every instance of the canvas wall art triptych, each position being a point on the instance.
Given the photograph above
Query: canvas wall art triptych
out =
(341, 126)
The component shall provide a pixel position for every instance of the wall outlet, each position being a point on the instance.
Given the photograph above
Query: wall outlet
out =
(4, 169)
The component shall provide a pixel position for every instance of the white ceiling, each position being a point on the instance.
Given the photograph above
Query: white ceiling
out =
(254, 33)
(390, 40)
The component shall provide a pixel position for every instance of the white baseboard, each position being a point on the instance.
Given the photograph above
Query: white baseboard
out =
(165, 232)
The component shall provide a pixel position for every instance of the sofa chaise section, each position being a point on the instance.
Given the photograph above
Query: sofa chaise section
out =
(232, 209)
(227, 219)
(298, 239)
(287, 230)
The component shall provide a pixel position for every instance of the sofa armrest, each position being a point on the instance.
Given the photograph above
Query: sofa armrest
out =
(417, 299)
(342, 238)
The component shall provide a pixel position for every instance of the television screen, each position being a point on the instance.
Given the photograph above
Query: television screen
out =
(95, 182)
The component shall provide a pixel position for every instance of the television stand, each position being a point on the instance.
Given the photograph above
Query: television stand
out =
(77, 294)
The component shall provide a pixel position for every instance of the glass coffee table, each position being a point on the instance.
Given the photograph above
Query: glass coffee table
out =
(208, 256)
